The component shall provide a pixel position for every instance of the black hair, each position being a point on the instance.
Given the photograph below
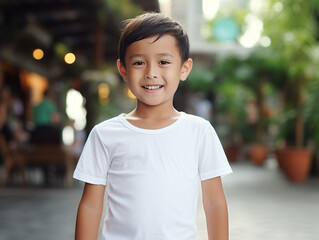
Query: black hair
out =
(152, 24)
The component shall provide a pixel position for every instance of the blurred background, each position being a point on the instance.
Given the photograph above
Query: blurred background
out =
(255, 78)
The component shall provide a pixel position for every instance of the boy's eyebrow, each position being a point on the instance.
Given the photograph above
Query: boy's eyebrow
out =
(166, 55)
(136, 55)
(160, 54)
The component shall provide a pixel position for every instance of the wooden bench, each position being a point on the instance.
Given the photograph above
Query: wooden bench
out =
(36, 155)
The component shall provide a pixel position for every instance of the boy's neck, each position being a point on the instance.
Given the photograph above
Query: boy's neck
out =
(150, 117)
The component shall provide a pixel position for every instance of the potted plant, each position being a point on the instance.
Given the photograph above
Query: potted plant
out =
(230, 99)
(231, 96)
(312, 121)
(294, 39)
(251, 73)
(257, 81)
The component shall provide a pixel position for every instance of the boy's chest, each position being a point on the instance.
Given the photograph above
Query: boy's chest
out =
(154, 156)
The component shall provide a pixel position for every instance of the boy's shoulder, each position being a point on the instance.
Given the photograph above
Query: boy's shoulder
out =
(196, 122)
(109, 120)
(194, 119)
(111, 123)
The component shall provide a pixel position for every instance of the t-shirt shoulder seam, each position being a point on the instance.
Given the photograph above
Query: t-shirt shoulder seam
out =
(100, 139)
(216, 173)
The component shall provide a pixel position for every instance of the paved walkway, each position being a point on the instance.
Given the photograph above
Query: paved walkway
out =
(262, 205)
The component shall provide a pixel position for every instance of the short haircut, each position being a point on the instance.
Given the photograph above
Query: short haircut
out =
(152, 24)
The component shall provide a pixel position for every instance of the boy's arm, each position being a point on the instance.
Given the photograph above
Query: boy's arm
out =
(215, 208)
(89, 212)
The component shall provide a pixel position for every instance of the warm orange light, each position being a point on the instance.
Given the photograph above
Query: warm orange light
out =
(37, 83)
(129, 93)
(38, 54)
(69, 58)
(103, 91)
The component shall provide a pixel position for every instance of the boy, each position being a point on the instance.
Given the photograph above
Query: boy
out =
(150, 160)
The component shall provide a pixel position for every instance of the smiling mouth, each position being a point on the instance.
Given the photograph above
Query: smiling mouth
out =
(152, 87)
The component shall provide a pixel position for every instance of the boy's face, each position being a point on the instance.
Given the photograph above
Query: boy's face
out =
(153, 70)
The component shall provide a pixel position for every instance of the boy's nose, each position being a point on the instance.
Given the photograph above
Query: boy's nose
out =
(150, 76)
(151, 72)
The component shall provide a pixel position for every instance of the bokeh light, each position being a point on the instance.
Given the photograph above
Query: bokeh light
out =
(129, 93)
(265, 41)
(210, 8)
(69, 58)
(253, 31)
(38, 54)
(103, 91)
(75, 108)
(68, 135)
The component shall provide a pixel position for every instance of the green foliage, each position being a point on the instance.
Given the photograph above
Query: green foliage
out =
(202, 80)
(293, 29)
(288, 68)
(124, 9)
(61, 49)
(311, 111)
(231, 99)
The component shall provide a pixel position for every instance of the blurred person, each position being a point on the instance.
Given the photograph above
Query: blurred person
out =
(46, 120)
(4, 105)
(151, 160)
(5, 130)
(11, 126)
(252, 113)
(201, 106)
(45, 113)
(47, 131)
(251, 120)
(12, 132)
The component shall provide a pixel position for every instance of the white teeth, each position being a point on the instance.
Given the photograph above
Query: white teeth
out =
(152, 87)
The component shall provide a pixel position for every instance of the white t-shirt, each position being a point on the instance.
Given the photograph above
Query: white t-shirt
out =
(152, 176)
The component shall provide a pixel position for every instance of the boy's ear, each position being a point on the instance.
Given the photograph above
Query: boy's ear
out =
(186, 69)
(122, 70)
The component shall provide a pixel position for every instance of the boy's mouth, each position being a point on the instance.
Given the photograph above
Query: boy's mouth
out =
(152, 87)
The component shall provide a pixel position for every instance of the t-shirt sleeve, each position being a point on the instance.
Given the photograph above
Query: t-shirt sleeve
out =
(212, 158)
(93, 163)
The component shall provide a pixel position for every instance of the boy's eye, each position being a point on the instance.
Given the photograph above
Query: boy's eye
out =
(138, 63)
(163, 62)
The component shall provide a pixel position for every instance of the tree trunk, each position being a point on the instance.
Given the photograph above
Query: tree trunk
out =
(299, 115)
(260, 131)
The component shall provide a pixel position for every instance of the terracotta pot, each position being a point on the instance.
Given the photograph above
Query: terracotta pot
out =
(297, 164)
(258, 154)
(279, 153)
